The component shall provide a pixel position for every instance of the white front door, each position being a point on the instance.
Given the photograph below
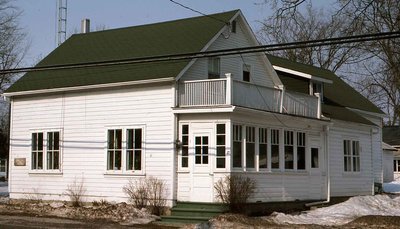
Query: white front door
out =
(200, 161)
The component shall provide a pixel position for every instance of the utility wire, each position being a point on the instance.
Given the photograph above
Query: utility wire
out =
(213, 53)
(196, 11)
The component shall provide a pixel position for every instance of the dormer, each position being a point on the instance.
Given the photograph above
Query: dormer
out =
(314, 83)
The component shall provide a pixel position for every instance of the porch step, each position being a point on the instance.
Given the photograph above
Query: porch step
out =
(193, 212)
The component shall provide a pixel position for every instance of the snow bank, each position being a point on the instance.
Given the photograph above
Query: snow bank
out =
(392, 187)
(345, 212)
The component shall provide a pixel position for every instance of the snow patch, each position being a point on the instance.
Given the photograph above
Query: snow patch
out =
(343, 213)
(392, 187)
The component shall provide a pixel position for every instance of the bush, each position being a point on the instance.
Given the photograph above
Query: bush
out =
(75, 192)
(235, 190)
(147, 192)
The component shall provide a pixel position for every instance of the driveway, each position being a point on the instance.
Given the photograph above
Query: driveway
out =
(3, 189)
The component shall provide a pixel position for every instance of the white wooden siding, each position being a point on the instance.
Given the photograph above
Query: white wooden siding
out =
(233, 64)
(347, 183)
(83, 118)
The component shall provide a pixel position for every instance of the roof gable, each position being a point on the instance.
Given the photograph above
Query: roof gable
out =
(172, 37)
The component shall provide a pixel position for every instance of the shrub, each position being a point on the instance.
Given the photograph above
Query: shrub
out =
(75, 192)
(147, 192)
(235, 190)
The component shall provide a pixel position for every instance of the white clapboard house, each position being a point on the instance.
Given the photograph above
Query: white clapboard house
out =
(299, 131)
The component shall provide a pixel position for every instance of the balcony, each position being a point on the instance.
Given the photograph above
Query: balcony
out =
(218, 92)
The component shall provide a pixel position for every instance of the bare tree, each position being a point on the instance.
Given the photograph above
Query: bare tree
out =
(312, 25)
(381, 82)
(13, 47)
(373, 67)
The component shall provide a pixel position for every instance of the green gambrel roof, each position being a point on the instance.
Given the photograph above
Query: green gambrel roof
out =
(172, 37)
(337, 96)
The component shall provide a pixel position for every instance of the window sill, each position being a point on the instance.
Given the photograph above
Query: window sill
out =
(183, 171)
(351, 174)
(124, 174)
(46, 173)
(274, 172)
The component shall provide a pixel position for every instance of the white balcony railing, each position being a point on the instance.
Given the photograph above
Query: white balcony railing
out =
(216, 92)
(202, 93)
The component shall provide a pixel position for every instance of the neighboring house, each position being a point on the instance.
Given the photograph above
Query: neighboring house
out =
(3, 167)
(388, 161)
(391, 136)
(299, 131)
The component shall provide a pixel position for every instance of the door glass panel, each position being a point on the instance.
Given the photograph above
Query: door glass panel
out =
(201, 150)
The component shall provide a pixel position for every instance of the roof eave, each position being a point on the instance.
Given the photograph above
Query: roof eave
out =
(87, 87)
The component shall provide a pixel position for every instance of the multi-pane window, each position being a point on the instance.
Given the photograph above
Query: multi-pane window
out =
(263, 148)
(53, 150)
(246, 72)
(37, 151)
(221, 145)
(134, 149)
(351, 153)
(237, 146)
(128, 142)
(301, 151)
(289, 154)
(201, 149)
(275, 149)
(45, 151)
(250, 146)
(396, 165)
(114, 149)
(185, 146)
(213, 67)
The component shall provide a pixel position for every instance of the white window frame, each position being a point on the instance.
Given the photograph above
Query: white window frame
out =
(281, 139)
(188, 145)
(124, 170)
(250, 68)
(351, 156)
(44, 168)
(216, 146)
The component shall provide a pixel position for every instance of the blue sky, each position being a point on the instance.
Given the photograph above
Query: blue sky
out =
(39, 16)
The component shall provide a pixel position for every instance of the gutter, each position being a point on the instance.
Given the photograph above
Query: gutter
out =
(328, 171)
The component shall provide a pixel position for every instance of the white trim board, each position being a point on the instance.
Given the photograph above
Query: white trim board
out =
(302, 74)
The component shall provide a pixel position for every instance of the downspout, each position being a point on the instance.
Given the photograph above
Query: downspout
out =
(328, 173)
(8, 173)
(175, 144)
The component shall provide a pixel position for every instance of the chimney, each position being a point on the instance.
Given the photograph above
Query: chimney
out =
(85, 26)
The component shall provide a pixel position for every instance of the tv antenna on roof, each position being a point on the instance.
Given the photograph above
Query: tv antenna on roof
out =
(62, 21)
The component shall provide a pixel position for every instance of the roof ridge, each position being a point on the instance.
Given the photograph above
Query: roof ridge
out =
(155, 23)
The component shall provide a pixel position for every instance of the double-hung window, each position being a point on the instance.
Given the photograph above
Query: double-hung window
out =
(289, 154)
(250, 147)
(351, 153)
(125, 149)
(214, 68)
(263, 148)
(45, 151)
(237, 146)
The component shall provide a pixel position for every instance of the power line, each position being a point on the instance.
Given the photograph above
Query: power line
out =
(213, 53)
(196, 11)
